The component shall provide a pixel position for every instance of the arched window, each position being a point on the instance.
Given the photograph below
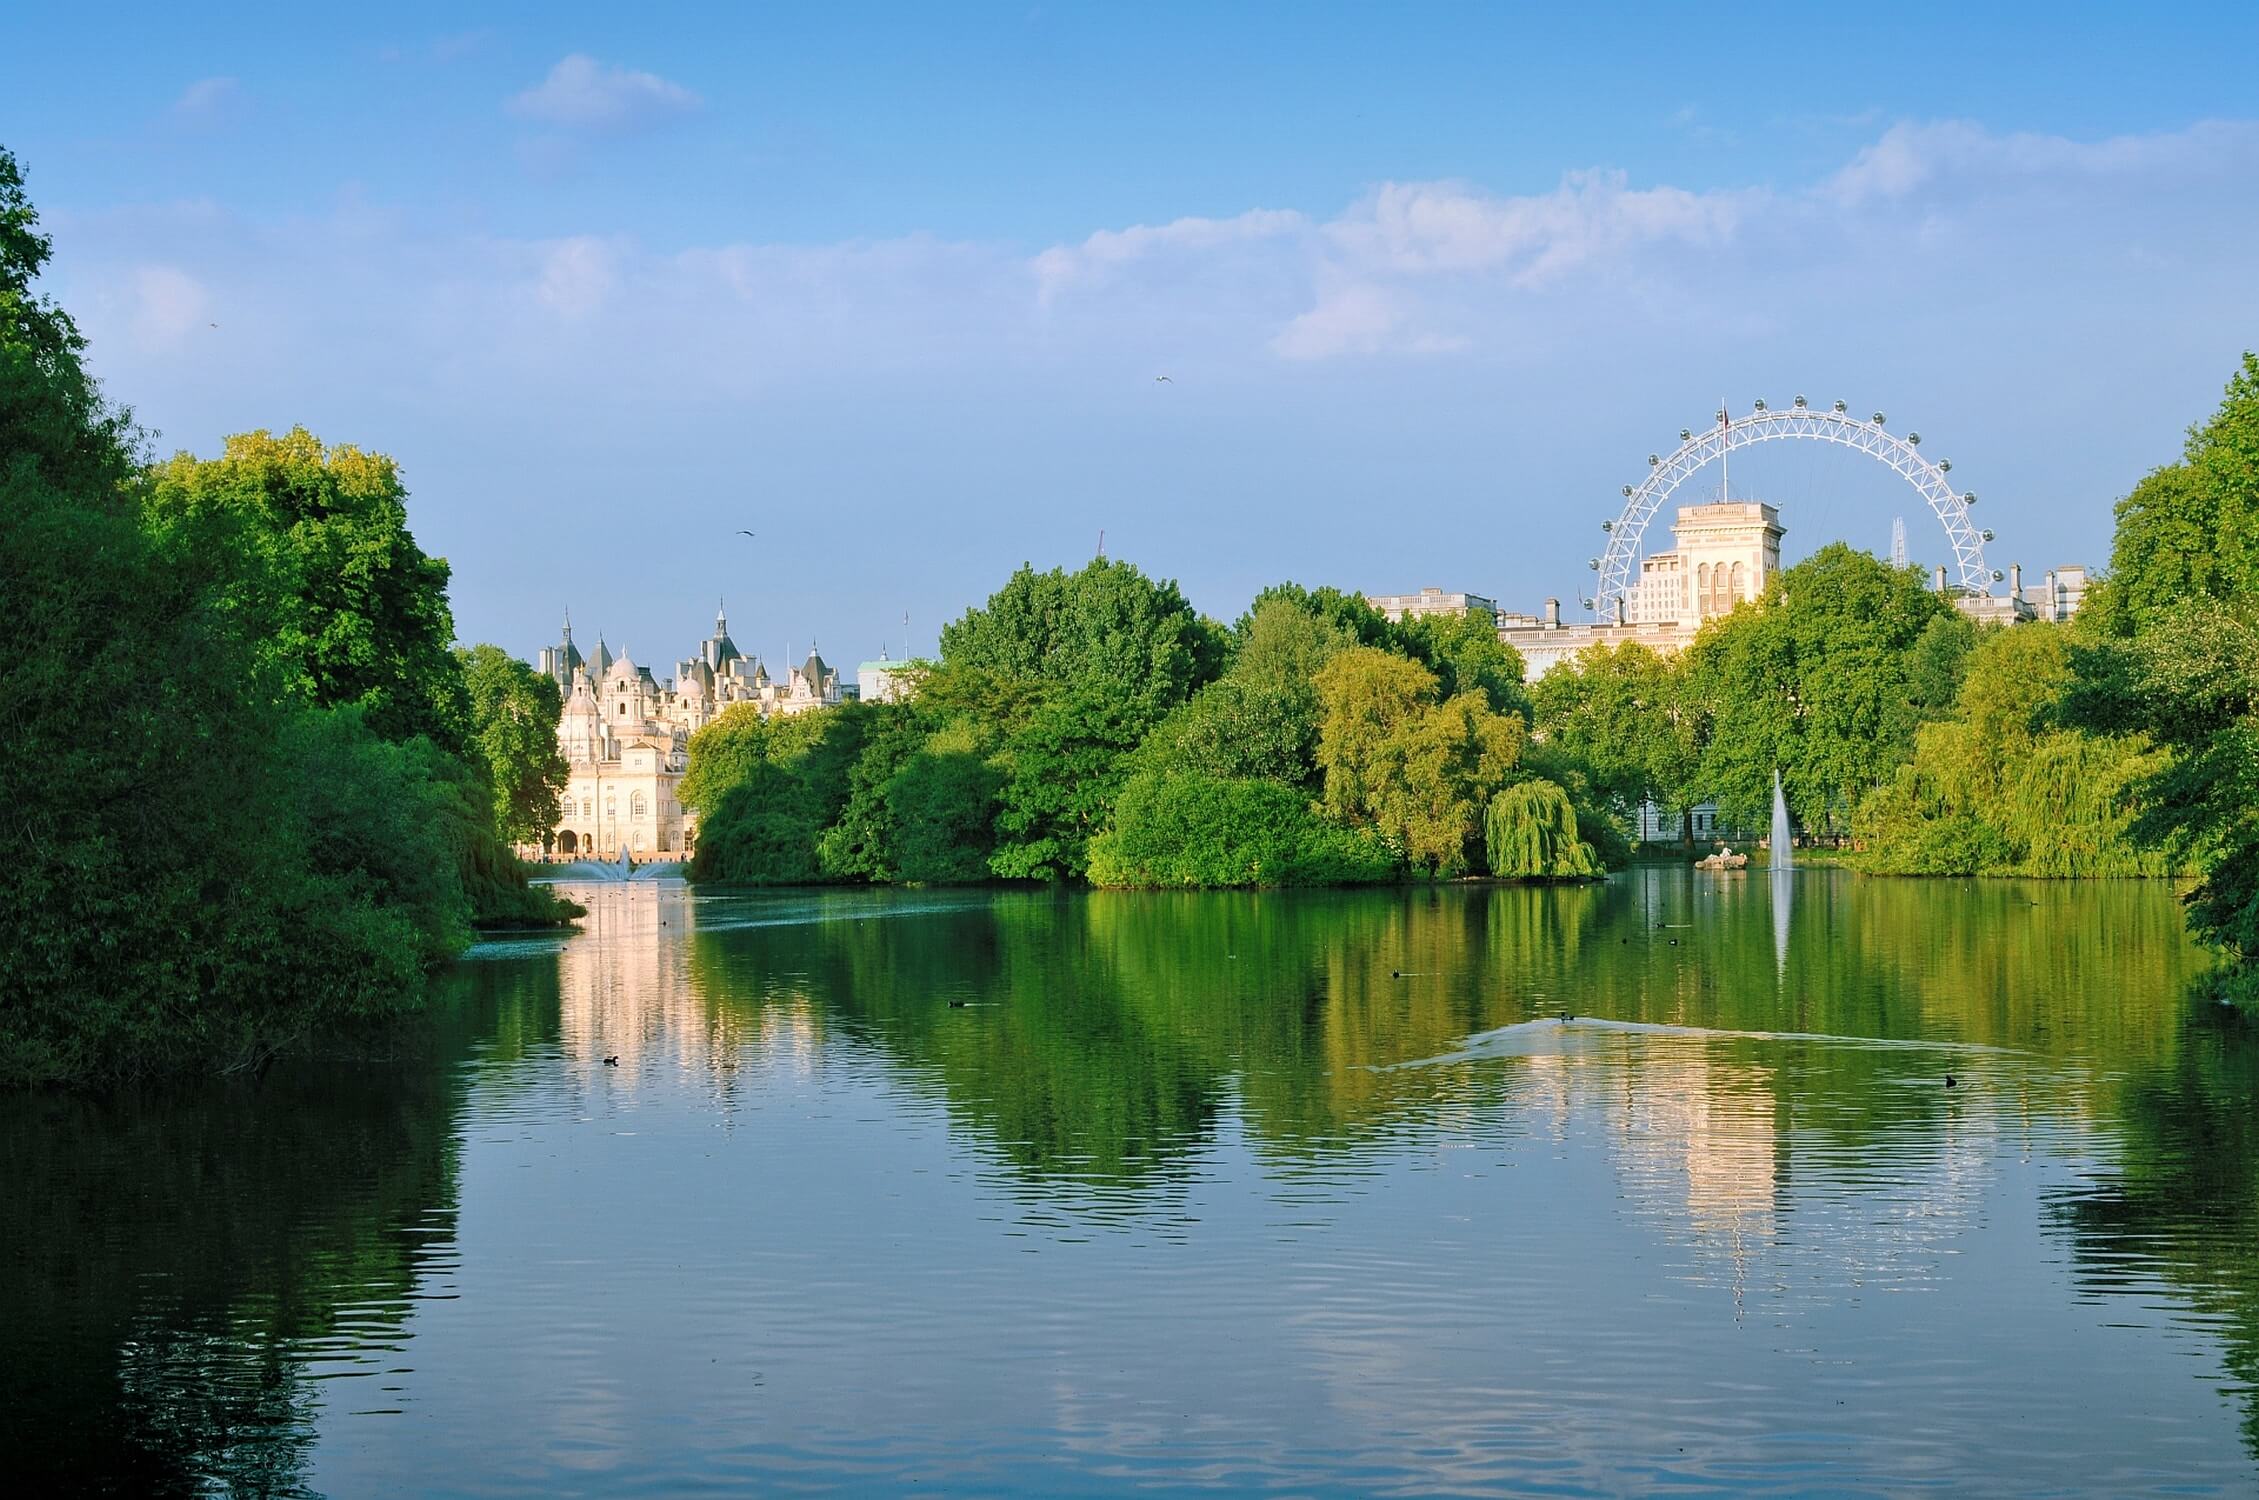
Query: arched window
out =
(637, 806)
(1739, 593)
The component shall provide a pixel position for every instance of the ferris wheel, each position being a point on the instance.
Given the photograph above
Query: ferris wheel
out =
(1901, 455)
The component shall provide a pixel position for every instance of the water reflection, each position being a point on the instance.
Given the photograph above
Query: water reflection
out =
(1503, 1188)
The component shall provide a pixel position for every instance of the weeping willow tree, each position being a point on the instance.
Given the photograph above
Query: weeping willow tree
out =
(1530, 829)
(2003, 788)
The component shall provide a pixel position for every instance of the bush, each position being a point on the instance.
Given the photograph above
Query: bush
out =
(1206, 832)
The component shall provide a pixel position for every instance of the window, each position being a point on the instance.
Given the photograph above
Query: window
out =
(637, 806)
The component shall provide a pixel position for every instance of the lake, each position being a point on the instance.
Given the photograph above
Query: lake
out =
(1008, 1192)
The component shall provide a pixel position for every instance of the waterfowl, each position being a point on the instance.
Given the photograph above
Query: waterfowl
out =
(1949, 1080)
(613, 1061)
(956, 1005)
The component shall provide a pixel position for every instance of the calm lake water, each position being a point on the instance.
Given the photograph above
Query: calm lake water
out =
(975, 1193)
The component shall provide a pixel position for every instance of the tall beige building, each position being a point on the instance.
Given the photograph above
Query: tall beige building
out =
(1727, 552)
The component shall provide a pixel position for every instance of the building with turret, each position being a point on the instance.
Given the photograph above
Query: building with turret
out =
(625, 734)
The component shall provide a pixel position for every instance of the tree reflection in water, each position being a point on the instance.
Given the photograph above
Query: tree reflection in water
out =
(192, 1276)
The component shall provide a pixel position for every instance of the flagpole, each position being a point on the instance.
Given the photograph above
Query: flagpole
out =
(1724, 427)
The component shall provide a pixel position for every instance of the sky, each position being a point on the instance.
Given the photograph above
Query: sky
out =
(892, 286)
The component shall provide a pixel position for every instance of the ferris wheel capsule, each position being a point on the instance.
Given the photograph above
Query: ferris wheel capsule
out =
(1592, 563)
(1914, 438)
(1759, 404)
(1800, 403)
(1880, 419)
(1627, 492)
(1997, 575)
(1652, 460)
(1970, 498)
(1686, 434)
(1588, 604)
(1945, 466)
(1986, 534)
(1608, 525)
(1839, 408)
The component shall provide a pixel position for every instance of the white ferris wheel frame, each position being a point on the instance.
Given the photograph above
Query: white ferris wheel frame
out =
(1900, 454)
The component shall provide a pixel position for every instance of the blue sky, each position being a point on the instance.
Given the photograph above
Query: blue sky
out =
(891, 285)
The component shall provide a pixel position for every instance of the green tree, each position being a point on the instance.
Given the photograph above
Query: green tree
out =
(1620, 715)
(1468, 657)
(1816, 680)
(1061, 773)
(514, 714)
(2175, 638)
(198, 877)
(1192, 830)
(2001, 787)
(1107, 628)
(1530, 831)
(1416, 771)
(347, 605)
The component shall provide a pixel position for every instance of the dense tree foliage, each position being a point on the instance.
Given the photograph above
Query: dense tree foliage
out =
(2002, 787)
(1530, 830)
(217, 847)
(1816, 681)
(1623, 715)
(2174, 656)
(1090, 727)
(514, 712)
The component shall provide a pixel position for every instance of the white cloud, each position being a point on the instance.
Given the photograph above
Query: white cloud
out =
(2033, 337)
(208, 101)
(168, 304)
(1912, 157)
(1428, 227)
(577, 275)
(1108, 249)
(581, 93)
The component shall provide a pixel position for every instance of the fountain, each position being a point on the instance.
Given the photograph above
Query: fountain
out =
(1784, 882)
(1783, 856)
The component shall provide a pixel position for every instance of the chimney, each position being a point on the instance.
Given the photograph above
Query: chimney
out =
(2015, 580)
(1552, 614)
(1940, 575)
(1619, 609)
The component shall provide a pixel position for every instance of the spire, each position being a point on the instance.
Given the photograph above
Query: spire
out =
(568, 627)
(721, 627)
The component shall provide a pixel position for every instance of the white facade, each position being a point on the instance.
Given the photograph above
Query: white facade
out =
(626, 734)
(1401, 607)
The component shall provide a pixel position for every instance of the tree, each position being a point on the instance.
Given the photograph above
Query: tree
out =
(1244, 728)
(1192, 830)
(1370, 701)
(1468, 657)
(2171, 655)
(1816, 680)
(1620, 714)
(1415, 771)
(1106, 628)
(1530, 832)
(2001, 787)
(514, 714)
(200, 870)
(350, 609)
(1061, 772)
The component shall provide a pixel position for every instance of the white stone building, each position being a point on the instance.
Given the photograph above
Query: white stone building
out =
(626, 735)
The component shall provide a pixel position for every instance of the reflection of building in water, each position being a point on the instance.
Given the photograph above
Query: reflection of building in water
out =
(1705, 1132)
(627, 989)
